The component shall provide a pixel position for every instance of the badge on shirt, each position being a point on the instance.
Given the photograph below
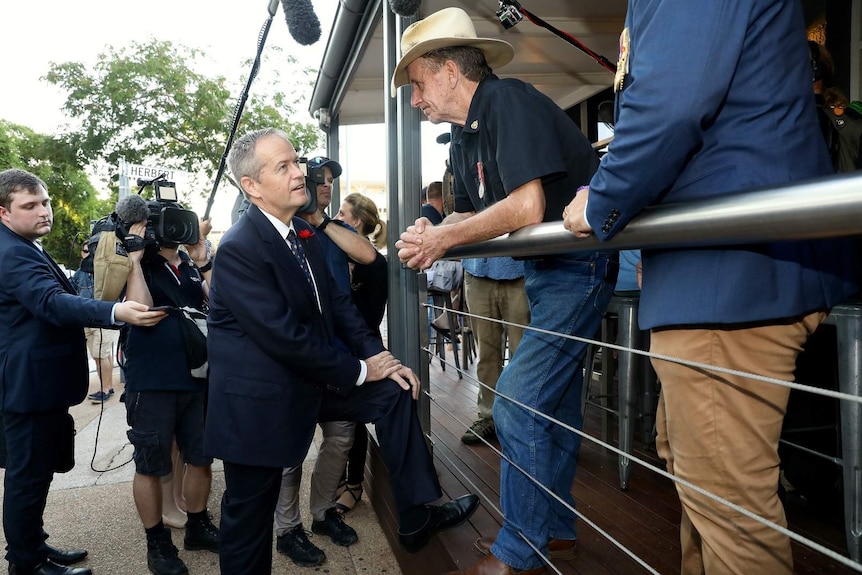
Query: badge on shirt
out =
(623, 62)
(480, 169)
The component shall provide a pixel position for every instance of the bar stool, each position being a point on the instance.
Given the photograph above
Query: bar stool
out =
(636, 382)
(444, 300)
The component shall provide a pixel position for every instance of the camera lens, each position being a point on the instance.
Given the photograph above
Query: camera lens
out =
(179, 226)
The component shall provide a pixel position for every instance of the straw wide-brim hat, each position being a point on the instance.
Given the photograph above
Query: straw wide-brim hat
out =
(443, 29)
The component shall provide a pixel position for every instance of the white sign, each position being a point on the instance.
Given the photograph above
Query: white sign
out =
(131, 173)
(148, 172)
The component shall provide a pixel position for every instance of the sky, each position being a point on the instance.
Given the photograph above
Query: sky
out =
(36, 33)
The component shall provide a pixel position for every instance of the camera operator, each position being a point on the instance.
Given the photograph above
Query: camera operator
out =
(163, 400)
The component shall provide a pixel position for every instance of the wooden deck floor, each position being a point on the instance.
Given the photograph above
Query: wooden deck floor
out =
(644, 518)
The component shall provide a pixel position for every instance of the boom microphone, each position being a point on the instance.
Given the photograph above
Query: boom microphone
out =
(302, 22)
(132, 209)
(404, 7)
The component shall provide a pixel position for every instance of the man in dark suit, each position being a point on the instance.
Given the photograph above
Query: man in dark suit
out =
(44, 354)
(275, 370)
(714, 100)
(433, 206)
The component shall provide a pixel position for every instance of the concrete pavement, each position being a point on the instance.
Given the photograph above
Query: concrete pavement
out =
(92, 507)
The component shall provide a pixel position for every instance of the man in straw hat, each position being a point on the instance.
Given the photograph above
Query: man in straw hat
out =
(502, 185)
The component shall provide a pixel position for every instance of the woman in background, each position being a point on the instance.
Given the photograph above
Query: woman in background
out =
(370, 288)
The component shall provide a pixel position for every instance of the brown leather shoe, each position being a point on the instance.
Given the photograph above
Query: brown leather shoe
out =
(490, 565)
(561, 549)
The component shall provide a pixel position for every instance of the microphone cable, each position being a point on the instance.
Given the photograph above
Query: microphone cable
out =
(102, 413)
(599, 59)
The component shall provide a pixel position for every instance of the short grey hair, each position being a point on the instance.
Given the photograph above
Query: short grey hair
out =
(243, 161)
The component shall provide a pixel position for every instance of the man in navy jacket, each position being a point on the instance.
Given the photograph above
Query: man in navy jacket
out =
(44, 357)
(275, 370)
(713, 99)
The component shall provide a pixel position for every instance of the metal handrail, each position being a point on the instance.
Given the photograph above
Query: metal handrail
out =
(822, 208)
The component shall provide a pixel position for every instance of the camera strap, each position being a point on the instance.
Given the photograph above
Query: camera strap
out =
(171, 288)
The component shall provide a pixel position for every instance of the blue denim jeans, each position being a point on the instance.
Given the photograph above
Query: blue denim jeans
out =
(568, 294)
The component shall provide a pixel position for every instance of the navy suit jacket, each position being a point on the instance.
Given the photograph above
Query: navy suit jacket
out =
(43, 353)
(718, 100)
(272, 352)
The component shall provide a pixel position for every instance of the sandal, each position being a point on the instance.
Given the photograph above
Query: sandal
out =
(341, 488)
(349, 498)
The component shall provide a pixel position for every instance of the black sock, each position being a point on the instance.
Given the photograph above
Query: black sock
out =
(199, 517)
(413, 519)
(154, 531)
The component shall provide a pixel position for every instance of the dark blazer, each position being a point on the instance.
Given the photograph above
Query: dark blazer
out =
(43, 352)
(271, 352)
(717, 100)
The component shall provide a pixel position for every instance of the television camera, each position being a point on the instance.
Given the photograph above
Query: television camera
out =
(167, 221)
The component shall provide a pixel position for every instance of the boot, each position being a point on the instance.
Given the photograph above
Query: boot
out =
(163, 557)
(201, 534)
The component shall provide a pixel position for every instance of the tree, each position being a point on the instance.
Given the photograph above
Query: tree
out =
(146, 103)
(73, 197)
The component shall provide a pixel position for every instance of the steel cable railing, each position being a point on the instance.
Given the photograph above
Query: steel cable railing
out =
(580, 515)
(783, 530)
(824, 208)
(694, 364)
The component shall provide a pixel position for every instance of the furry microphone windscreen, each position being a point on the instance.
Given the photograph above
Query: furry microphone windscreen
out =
(302, 22)
(404, 7)
(132, 209)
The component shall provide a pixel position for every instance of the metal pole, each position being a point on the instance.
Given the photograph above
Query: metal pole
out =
(823, 208)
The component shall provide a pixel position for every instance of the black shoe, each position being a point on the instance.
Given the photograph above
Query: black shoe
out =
(481, 429)
(295, 544)
(63, 557)
(440, 517)
(48, 567)
(201, 535)
(334, 527)
(163, 557)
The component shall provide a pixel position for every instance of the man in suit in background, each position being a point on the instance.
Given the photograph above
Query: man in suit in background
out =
(43, 350)
(275, 371)
(694, 121)
(433, 206)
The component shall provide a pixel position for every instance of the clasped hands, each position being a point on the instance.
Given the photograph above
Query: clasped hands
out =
(385, 365)
(421, 245)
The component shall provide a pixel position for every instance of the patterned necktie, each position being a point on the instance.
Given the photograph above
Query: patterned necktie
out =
(299, 253)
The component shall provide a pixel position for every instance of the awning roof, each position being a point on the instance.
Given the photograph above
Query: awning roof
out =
(351, 79)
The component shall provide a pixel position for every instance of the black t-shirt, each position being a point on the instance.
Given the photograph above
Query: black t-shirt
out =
(370, 288)
(515, 134)
(155, 356)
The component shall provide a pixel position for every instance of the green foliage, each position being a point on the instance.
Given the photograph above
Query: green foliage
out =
(72, 195)
(147, 104)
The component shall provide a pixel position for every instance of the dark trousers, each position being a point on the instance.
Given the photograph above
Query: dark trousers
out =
(251, 492)
(31, 458)
(356, 455)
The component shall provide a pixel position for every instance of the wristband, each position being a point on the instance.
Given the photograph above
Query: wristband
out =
(206, 267)
(324, 223)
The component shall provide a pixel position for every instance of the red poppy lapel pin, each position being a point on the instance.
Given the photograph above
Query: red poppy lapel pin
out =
(305, 234)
